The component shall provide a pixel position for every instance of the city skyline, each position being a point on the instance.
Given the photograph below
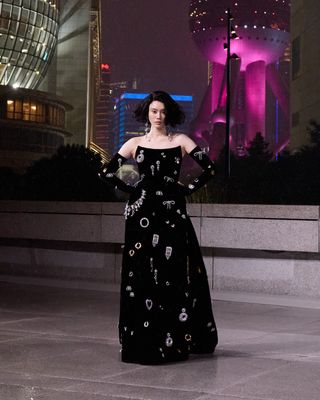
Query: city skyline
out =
(166, 58)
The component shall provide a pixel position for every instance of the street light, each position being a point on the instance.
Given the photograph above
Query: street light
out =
(231, 34)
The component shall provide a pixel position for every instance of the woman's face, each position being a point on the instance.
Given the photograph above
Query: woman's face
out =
(157, 114)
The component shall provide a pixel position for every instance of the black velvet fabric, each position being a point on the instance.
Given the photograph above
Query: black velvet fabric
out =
(165, 307)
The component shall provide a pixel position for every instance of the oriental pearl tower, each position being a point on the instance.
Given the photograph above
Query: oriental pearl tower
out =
(259, 72)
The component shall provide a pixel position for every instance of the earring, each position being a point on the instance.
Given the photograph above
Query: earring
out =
(147, 130)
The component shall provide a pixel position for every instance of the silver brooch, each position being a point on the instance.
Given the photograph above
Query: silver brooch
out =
(168, 252)
(155, 240)
(183, 316)
(168, 179)
(169, 204)
(144, 222)
(140, 157)
(188, 337)
(169, 340)
(149, 304)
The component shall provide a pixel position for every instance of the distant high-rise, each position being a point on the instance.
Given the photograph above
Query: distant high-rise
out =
(103, 135)
(125, 126)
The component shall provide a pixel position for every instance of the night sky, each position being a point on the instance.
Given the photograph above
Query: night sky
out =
(150, 40)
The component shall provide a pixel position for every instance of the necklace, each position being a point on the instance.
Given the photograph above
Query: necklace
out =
(149, 138)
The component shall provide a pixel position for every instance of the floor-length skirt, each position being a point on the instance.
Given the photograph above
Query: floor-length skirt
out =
(165, 304)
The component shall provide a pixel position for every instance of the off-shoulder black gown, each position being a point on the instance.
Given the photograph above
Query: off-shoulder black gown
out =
(165, 306)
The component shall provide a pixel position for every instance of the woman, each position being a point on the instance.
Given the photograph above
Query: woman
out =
(165, 307)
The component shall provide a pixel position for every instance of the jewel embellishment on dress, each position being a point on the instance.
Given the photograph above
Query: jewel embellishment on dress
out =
(131, 274)
(169, 203)
(131, 253)
(138, 246)
(119, 162)
(169, 340)
(152, 169)
(131, 209)
(183, 316)
(168, 252)
(128, 288)
(149, 304)
(146, 324)
(155, 276)
(188, 337)
(158, 165)
(131, 294)
(151, 264)
(144, 222)
(159, 193)
(140, 157)
(177, 160)
(155, 240)
(199, 154)
(190, 186)
(168, 179)
(163, 155)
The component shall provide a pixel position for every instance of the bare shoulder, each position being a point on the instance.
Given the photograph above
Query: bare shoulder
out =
(185, 142)
(129, 147)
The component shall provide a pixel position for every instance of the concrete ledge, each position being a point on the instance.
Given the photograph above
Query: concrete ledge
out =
(270, 250)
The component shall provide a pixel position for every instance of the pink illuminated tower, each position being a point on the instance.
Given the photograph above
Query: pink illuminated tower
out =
(259, 76)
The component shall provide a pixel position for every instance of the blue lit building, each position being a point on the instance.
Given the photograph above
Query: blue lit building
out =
(125, 126)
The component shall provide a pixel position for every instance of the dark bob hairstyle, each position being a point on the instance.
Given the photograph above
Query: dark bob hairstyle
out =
(174, 114)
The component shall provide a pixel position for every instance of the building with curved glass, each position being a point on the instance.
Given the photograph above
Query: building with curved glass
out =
(49, 64)
(28, 37)
(32, 125)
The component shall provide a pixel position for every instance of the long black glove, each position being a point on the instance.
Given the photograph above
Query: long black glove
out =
(208, 167)
(108, 173)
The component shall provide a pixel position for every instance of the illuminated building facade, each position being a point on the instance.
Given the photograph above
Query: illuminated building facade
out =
(259, 73)
(74, 73)
(32, 125)
(126, 126)
(28, 38)
(103, 135)
(49, 49)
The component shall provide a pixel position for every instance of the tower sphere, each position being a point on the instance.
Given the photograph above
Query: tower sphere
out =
(28, 37)
(262, 28)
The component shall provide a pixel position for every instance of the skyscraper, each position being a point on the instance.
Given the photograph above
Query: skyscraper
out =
(103, 135)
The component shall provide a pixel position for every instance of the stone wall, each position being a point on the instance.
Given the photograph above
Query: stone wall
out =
(247, 248)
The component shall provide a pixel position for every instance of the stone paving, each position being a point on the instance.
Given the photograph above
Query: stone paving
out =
(61, 344)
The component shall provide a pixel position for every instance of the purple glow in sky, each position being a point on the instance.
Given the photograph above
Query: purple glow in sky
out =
(150, 40)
